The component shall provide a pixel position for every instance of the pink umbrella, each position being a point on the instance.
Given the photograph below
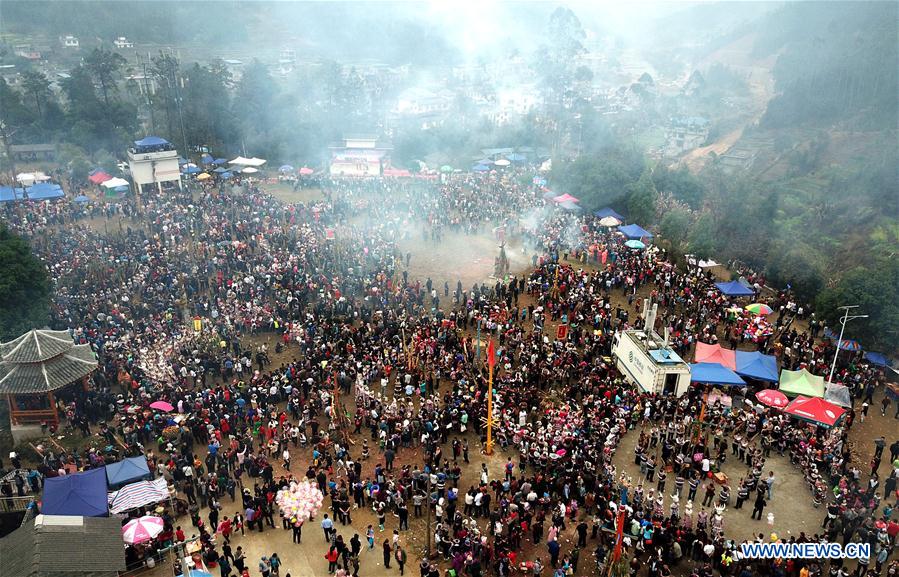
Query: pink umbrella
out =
(772, 398)
(142, 529)
(162, 406)
(305, 171)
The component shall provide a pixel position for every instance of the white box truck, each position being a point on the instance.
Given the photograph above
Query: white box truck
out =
(645, 360)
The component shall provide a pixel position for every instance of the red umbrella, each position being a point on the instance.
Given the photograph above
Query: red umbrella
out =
(772, 398)
(162, 406)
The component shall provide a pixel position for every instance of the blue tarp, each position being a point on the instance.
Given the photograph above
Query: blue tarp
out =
(127, 471)
(878, 359)
(44, 191)
(714, 374)
(81, 198)
(151, 141)
(191, 170)
(8, 194)
(734, 288)
(79, 494)
(604, 212)
(633, 230)
(480, 168)
(755, 365)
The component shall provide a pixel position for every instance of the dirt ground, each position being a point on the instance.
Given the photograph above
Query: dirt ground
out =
(458, 256)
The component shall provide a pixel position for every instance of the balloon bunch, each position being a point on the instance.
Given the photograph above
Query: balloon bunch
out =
(300, 501)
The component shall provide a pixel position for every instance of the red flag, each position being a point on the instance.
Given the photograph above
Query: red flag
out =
(619, 536)
(491, 354)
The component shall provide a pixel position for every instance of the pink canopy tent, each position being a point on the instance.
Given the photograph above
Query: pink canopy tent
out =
(715, 354)
(565, 198)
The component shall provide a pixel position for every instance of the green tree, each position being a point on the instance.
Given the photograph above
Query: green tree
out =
(675, 226)
(641, 200)
(876, 290)
(703, 237)
(104, 66)
(24, 287)
(37, 87)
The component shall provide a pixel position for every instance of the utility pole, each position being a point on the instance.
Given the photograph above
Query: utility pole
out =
(845, 319)
(428, 518)
(147, 93)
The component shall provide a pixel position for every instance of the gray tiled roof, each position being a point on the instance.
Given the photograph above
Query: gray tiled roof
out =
(35, 346)
(92, 548)
(52, 374)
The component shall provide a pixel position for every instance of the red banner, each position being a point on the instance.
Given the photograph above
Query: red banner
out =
(562, 332)
(619, 535)
(491, 354)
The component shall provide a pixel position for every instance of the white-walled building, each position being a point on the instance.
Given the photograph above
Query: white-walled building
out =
(153, 161)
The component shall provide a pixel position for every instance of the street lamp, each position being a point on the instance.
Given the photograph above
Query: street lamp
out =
(843, 320)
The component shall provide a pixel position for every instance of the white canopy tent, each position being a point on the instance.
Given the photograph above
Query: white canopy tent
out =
(115, 182)
(240, 160)
(29, 178)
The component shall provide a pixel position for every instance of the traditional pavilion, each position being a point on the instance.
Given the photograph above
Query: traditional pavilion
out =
(36, 364)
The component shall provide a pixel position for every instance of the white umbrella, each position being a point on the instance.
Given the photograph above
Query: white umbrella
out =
(609, 221)
(502, 162)
(250, 170)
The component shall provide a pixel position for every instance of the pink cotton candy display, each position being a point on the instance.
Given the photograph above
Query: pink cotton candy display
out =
(300, 501)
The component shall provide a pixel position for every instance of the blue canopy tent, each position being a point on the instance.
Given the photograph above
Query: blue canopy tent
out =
(127, 471)
(227, 174)
(206, 159)
(191, 170)
(878, 359)
(220, 170)
(81, 199)
(44, 191)
(604, 212)
(758, 366)
(79, 494)
(151, 141)
(9, 194)
(714, 374)
(480, 168)
(734, 289)
(634, 231)
(219, 161)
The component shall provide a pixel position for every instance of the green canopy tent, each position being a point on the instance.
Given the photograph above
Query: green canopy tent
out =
(801, 382)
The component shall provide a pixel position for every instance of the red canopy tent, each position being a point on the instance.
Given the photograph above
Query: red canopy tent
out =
(565, 198)
(816, 410)
(715, 354)
(99, 177)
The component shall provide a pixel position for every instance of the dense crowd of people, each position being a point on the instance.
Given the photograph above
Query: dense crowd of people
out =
(382, 402)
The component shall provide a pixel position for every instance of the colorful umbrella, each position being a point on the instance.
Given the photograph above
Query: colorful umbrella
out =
(162, 406)
(772, 398)
(204, 176)
(635, 244)
(850, 345)
(759, 309)
(446, 168)
(306, 171)
(142, 529)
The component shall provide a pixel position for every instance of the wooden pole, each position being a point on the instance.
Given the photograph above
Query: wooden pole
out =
(490, 410)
